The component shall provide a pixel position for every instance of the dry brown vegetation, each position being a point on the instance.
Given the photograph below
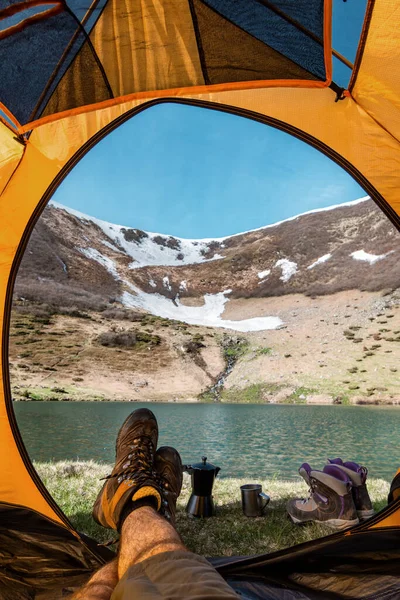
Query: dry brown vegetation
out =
(332, 347)
(340, 348)
(53, 257)
(94, 358)
(127, 339)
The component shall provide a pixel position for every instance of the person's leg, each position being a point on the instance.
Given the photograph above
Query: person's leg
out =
(156, 536)
(140, 478)
(132, 483)
(139, 500)
(153, 564)
(101, 585)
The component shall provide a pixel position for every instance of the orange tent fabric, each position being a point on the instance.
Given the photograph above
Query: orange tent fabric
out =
(117, 58)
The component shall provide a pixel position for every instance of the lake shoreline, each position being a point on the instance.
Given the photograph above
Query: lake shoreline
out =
(323, 402)
(243, 440)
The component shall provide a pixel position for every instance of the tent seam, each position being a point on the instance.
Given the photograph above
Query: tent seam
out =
(64, 55)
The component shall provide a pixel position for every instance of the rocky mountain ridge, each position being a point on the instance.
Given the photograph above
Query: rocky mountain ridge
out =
(351, 246)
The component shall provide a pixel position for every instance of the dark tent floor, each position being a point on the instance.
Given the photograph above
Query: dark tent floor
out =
(41, 559)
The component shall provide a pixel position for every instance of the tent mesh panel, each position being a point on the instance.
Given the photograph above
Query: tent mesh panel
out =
(52, 64)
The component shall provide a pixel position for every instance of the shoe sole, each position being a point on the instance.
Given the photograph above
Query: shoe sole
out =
(363, 515)
(337, 524)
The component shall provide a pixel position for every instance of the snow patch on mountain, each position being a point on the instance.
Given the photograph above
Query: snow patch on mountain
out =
(320, 260)
(370, 258)
(150, 253)
(111, 246)
(106, 262)
(264, 274)
(147, 248)
(166, 283)
(288, 267)
(208, 315)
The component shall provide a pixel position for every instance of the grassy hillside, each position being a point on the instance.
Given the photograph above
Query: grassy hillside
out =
(342, 348)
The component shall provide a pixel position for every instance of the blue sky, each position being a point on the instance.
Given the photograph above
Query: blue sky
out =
(197, 173)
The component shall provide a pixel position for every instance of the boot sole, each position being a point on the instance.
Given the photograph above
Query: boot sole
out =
(337, 524)
(363, 515)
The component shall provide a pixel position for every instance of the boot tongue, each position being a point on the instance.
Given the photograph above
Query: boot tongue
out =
(339, 475)
(305, 471)
(353, 466)
(334, 471)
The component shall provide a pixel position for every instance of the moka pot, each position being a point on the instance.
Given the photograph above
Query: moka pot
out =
(201, 502)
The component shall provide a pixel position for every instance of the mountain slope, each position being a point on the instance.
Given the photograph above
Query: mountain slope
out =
(102, 311)
(73, 255)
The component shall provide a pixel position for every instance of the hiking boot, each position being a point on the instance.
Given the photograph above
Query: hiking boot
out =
(168, 466)
(358, 475)
(331, 501)
(133, 481)
(394, 492)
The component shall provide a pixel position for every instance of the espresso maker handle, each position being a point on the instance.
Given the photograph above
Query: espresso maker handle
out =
(266, 499)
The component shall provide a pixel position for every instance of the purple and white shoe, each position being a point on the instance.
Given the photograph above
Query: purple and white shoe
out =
(358, 476)
(330, 502)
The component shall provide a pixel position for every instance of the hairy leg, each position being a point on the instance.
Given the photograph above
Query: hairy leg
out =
(101, 585)
(144, 534)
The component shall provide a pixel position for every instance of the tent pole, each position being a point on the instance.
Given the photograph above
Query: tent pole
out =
(342, 59)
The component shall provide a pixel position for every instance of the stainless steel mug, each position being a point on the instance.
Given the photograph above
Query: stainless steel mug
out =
(254, 501)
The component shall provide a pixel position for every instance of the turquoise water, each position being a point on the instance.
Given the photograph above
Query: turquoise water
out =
(244, 440)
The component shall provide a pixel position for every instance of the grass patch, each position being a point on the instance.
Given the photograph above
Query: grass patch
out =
(299, 396)
(263, 351)
(75, 485)
(253, 394)
(234, 347)
(236, 351)
(54, 393)
(206, 397)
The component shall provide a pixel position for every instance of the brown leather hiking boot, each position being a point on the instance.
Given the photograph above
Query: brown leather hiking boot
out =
(331, 501)
(168, 465)
(133, 477)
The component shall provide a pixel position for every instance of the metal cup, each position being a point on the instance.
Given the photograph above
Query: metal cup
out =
(254, 501)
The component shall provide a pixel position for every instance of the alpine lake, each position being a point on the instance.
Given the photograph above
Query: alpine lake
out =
(244, 440)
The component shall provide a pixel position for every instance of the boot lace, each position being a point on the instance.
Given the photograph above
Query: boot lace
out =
(138, 465)
(311, 490)
(165, 494)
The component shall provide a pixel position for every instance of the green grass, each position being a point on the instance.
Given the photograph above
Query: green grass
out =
(252, 394)
(234, 347)
(263, 351)
(207, 397)
(74, 486)
(51, 394)
(299, 396)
